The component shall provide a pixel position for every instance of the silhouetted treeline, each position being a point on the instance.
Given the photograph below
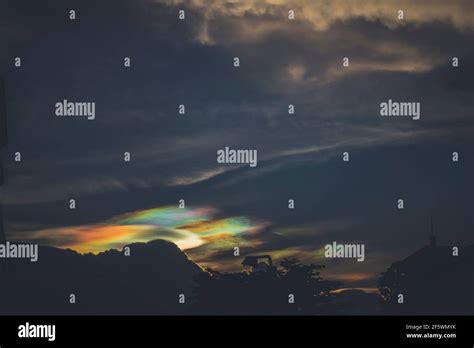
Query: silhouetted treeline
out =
(157, 276)
(293, 288)
(149, 281)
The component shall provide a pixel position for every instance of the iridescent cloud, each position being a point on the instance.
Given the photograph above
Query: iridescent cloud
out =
(187, 227)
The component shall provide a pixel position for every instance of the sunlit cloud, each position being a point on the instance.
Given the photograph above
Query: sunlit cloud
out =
(320, 15)
(228, 23)
(296, 72)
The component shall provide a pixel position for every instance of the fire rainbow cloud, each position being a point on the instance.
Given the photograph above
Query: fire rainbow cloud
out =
(186, 227)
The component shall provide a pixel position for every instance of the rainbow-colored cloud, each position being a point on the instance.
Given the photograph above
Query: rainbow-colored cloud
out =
(186, 227)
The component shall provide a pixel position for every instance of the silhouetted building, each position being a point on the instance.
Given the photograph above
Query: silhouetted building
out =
(436, 280)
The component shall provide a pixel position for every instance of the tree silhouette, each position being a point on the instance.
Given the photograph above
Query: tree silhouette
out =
(390, 283)
(264, 293)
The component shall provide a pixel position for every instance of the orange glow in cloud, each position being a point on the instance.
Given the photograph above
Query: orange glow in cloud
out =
(352, 277)
(188, 228)
(97, 238)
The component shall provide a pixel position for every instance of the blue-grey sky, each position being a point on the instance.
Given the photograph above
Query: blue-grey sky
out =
(282, 62)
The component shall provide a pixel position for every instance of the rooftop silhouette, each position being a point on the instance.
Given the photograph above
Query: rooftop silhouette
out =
(433, 280)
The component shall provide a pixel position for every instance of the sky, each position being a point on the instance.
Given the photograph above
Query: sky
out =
(173, 157)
